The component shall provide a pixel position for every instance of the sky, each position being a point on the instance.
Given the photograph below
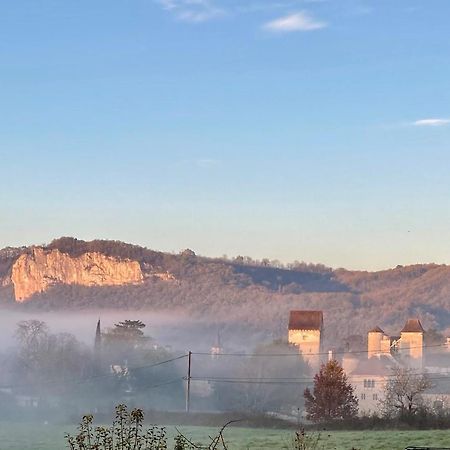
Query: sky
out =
(310, 130)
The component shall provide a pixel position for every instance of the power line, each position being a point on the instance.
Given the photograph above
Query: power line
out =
(154, 386)
(269, 380)
(94, 377)
(248, 355)
(243, 380)
(256, 382)
(410, 372)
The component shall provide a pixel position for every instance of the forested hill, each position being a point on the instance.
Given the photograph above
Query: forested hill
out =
(256, 294)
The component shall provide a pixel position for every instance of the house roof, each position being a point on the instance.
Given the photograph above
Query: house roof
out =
(305, 320)
(376, 330)
(374, 366)
(412, 326)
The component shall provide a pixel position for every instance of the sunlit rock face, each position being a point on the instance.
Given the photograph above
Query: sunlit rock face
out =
(36, 271)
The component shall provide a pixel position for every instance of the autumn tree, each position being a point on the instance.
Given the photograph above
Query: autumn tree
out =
(332, 397)
(403, 393)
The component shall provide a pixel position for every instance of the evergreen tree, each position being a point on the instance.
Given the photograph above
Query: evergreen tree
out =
(332, 397)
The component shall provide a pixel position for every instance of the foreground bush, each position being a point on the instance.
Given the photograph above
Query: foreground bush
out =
(127, 433)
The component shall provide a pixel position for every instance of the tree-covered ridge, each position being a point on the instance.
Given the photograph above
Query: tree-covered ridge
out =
(255, 293)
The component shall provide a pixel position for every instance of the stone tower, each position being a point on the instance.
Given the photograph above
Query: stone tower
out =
(305, 329)
(411, 343)
(378, 343)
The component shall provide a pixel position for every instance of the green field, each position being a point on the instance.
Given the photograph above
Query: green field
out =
(51, 437)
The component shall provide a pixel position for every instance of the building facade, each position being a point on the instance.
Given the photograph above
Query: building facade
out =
(305, 332)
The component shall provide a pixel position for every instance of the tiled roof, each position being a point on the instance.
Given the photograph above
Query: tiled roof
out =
(376, 330)
(374, 366)
(412, 326)
(305, 320)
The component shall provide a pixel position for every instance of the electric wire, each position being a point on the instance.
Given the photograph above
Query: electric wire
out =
(248, 355)
(238, 380)
(93, 377)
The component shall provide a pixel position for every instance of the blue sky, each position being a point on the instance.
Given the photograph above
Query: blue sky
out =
(313, 130)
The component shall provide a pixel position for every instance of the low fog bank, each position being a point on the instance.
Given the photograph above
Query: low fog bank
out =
(59, 366)
(55, 367)
(174, 329)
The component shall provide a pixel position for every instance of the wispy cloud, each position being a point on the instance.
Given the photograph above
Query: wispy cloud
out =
(198, 11)
(257, 7)
(194, 11)
(431, 122)
(299, 21)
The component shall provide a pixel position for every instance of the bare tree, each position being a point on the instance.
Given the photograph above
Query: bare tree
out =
(32, 335)
(403, 392)
(43, 356)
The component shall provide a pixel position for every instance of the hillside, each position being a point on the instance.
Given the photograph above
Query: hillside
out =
(74, 274)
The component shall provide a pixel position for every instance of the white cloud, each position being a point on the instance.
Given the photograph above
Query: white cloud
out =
(431, 122)
(300, 21)
(194, 11)
(168, 4)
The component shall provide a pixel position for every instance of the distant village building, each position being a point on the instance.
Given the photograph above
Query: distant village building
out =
(384, 353)
(369, 371)
(305, 332)
(369, 381)
(378, 343)
(217, 349)
(411, 344)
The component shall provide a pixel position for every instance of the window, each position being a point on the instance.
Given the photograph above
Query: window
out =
(438, 405)
(363, 396)
(369, 383)
(375, 397)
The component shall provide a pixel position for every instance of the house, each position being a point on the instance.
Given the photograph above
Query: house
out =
(369, 374)
(369, 380)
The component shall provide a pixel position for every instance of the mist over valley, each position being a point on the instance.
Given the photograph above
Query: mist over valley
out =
(189, 291)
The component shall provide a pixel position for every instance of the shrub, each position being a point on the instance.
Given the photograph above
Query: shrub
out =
(127, 433)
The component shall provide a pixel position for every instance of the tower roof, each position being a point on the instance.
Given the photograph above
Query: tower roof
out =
(305, 320)
(377, 329)
(412, 326)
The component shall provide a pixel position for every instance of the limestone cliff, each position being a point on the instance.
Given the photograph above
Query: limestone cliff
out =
(36, 271)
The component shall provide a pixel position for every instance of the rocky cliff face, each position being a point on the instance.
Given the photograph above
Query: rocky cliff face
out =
(36, 271)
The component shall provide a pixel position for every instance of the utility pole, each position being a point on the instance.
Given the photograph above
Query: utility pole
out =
(188, 387)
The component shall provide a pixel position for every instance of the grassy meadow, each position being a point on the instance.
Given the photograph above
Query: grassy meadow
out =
(51, 437)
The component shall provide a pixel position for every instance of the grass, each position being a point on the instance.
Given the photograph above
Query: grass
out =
(51, 437)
